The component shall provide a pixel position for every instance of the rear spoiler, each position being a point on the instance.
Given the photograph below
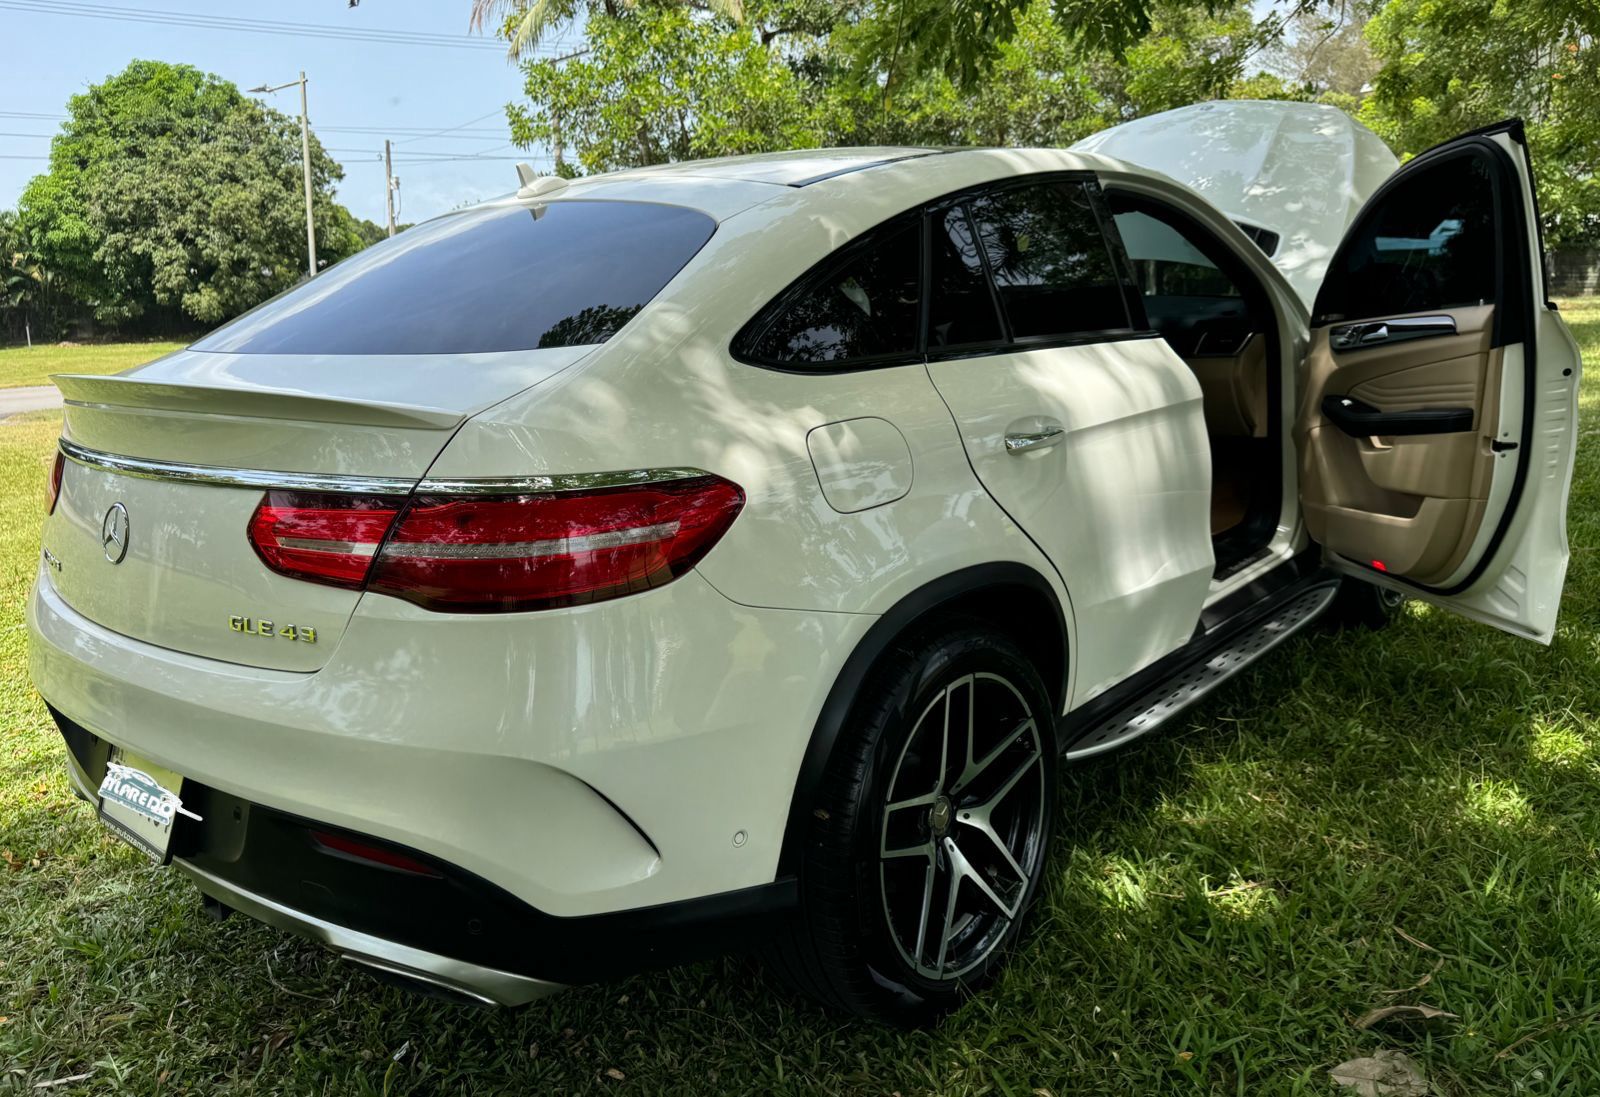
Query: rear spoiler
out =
(94, 391)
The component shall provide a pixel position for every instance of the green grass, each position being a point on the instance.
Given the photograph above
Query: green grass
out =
(1408, 816)
(34, 365)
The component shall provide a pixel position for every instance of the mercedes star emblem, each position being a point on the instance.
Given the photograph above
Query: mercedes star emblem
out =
(114, 533)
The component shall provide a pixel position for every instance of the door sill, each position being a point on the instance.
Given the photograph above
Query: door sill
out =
(1212, 662)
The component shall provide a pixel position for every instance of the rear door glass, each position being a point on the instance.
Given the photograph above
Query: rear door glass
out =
(961, 310)
(1049, 261)
(499, 279)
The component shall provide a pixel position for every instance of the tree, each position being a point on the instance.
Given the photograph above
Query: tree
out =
(661, 81)
(1453, 65)
(522, 23)
(172, 199)
(1326, 53)
(30, 296)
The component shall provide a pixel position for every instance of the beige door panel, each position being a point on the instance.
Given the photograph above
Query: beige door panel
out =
(1341, 373)
(1413, 502)
(1234, 391)
(1448, 467)
(1452, 382)
(1426, 543)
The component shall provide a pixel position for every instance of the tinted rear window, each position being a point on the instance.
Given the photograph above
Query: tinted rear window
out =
(867, 307)
(508, 278)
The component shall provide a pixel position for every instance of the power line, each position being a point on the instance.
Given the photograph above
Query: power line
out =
(418, 155)
(453, 129)
(254, 26)
(454, 159)
(466, 133)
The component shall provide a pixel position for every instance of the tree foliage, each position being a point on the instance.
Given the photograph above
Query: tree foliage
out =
(1448, 66)
(661, 83)
(661, 80)
(174, 200)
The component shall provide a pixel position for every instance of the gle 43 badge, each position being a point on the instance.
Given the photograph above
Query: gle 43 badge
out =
(138, 807)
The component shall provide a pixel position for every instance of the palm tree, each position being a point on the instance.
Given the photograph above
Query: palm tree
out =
(27, 287)
(525, 22)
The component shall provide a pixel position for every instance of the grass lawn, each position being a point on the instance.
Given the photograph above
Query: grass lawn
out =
(34, 365)
(1369, 819)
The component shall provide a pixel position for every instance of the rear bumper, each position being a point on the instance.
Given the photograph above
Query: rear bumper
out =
(598, 760)
(457, 934)
(483, 985)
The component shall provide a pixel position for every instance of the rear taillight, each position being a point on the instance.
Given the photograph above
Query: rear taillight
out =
(52, 488)
(322, 537)
(497, 553)
(562, 548)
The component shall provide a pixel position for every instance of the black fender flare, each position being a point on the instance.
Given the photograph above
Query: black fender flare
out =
(947, 591)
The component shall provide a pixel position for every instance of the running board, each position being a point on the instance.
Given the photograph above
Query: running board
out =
(1170, 696)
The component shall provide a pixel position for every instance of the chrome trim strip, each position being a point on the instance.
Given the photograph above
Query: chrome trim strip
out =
(489, 985)
(532, 550)
(343, 548)
(234, 478)
(568, 481)
(370, 485)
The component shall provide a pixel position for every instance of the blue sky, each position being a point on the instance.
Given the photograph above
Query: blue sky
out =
(409, 89)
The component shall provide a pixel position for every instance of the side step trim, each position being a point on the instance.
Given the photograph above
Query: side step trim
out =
(1170, 696)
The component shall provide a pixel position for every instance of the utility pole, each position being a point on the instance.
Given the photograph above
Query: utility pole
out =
(305, 162)
(388, 184)
(305, 165)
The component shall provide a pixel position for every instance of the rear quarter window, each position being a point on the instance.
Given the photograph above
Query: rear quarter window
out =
(506, 278)
(861, 305)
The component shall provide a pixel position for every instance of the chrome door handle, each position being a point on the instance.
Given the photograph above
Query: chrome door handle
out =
(1356, 336)
(1021, 441)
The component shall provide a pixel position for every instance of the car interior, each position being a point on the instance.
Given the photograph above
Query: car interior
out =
(1216, 316)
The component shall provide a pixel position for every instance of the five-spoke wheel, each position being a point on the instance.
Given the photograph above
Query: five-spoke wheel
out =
(928, 834)
(963, 825)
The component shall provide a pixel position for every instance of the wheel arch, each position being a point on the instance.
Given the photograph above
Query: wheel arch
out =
(1011, 596)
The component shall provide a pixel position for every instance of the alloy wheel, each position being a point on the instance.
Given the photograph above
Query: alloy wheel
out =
(963, 826)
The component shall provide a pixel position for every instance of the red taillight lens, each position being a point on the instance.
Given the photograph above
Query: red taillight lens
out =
(497, 553)
(324, 537)
(52, 488)
(500, 553)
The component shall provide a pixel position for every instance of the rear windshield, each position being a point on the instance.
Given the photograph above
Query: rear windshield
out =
(508, 278)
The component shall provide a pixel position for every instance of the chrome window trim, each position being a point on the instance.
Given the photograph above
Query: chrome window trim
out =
(234, 478)
(540, 485)
(265, 480)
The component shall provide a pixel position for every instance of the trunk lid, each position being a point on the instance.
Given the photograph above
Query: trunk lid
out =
(1300, 171)
(186, 446)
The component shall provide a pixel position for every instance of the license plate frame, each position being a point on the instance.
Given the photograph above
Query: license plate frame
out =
(140, 802)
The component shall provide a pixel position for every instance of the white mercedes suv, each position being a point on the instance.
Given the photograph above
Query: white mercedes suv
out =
(730, 554)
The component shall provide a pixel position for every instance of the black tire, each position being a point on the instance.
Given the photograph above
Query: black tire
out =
(1362, 605)
(859, 941)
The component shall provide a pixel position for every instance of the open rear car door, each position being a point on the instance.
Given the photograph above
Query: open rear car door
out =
(1438, 422)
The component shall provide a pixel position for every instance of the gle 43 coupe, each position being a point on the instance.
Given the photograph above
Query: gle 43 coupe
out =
(732, 553)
